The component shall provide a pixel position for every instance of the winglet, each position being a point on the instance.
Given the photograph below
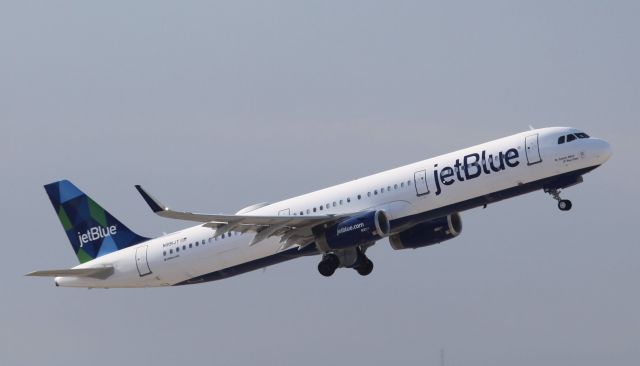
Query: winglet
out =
(155, 205)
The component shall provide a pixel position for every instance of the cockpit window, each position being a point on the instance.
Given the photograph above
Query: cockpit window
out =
(571, 137)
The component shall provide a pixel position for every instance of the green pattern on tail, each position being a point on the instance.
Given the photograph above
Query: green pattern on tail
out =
(64, 219)
(83, 256)
(97, 212)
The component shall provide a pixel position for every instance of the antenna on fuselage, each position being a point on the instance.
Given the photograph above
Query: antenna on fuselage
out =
(531, 128)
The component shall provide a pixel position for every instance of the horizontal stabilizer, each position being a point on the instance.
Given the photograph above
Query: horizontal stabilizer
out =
(100, 273)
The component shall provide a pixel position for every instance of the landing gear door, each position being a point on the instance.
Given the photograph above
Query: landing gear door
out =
(141, 261)
(420, 179)
(533, 150)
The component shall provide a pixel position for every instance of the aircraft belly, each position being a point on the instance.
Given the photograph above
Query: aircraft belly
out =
(221, 256)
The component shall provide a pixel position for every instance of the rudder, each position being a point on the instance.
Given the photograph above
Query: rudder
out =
(92, 230)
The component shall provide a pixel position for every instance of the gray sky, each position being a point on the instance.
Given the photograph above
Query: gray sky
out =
(217, 105)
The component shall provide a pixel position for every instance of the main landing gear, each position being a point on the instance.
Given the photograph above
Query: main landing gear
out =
(365, 268)
(328, 265)
(352, 258)
(563, 205)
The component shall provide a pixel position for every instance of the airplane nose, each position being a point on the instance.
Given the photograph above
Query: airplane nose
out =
(602, 150)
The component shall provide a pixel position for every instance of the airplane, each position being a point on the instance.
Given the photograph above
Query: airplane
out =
(414, 206)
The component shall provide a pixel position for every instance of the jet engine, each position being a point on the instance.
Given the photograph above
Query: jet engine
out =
(428, 233)
(352, 231)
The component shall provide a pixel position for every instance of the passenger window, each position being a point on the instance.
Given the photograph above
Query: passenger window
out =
(177, 249)
(301, 213)
(327, 206)
(402, 184)
(571, 137)
(359, 196)
(340, 202)
(164, 253)
(334, 203)
(375, 191)
(408, 183)
(191, 245)
(170, 251)
(184, 247)
(209, 242)
(308, 211)
(202, 241)
(320, 208)
(368, 194)
(314, 209)
(395, 186)
(561, 140)
(222, 236)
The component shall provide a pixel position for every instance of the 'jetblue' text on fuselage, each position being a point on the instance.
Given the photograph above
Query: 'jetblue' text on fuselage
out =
(474, 165)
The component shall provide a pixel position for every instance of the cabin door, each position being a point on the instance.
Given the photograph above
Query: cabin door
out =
(420, 179)
(141, 261)
(285, 212)
(533, 150)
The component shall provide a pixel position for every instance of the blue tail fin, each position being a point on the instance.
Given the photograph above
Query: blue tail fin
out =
(92, 230)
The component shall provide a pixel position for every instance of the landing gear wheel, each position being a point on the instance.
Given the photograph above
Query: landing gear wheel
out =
(328, 265)
(564, 205)
(365, 268)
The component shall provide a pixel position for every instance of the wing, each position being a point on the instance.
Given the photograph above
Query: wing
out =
(100, 273)
(292, 230)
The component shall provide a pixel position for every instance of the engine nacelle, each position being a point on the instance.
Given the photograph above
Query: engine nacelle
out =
(428, 233)
(356, 230)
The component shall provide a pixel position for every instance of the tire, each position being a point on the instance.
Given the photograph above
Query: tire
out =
(365, 268)
(564, 205)
(328, 265)
(326, 269)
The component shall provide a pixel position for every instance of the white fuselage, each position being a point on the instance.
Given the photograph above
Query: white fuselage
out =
(438, 186)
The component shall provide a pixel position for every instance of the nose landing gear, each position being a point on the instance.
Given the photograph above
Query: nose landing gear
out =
(563, 205)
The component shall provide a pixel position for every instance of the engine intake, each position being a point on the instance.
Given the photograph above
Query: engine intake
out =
(428, 233)
(356, 230)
